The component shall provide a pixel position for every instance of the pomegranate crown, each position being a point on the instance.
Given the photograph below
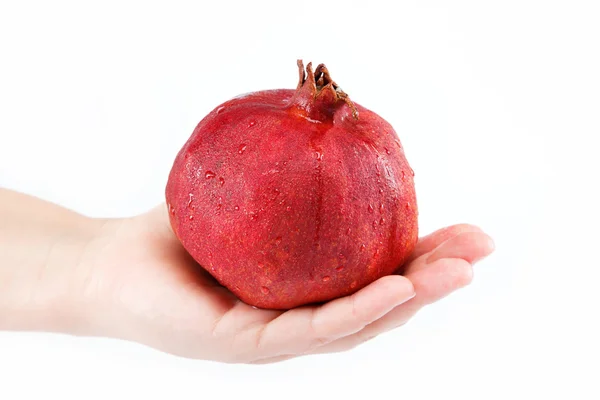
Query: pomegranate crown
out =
(318, 83)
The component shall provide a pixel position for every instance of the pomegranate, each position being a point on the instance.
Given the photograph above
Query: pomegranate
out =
(292, 197)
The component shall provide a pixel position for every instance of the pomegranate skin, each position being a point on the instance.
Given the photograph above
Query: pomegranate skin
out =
(292, 197)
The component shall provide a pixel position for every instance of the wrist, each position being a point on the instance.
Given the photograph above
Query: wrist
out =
(66, 283)
(39, 281)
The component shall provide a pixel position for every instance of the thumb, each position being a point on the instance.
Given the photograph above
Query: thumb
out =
(156, 220)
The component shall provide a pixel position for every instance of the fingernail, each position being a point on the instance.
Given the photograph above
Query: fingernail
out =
(491, 244)
(491, 248)
(407, 298)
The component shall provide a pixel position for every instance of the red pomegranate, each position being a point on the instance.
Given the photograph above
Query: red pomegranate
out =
(291, 197)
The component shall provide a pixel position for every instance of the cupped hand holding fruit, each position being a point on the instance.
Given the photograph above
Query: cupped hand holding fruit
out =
(290, 228)
(146, 288)
(279, 201)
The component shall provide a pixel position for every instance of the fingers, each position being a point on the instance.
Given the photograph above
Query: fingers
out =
(241, 317)
(439, 279)
(440, 265)
(300, 330)
(271, 360)
(433, 240)
(350, 314)
(431, 284)
(470, 246)
(346, 343)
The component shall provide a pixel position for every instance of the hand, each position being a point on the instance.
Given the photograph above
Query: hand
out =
(141, 285)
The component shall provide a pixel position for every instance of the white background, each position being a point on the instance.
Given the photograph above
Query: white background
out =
(496, 103)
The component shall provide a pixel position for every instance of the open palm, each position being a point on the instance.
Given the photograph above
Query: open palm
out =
(153, 293)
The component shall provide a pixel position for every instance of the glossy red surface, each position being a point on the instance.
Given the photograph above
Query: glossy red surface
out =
(287, 198)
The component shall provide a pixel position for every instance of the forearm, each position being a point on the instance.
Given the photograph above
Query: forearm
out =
(41, 245)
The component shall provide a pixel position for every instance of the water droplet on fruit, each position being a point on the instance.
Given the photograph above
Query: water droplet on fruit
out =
(191, 217)
(353, 285)
(278, 241)
(374, 224)
(340, 268)
(242, 148)
(285, 163)
(251, 124)
(253, 215)
(220, 203)
(403, 175)
(341, 255)
(381, 208)
(388, 171)
(220, 109)
(209, 174)
(288, 208)
(326, 278)
(388, 151)
(407, 205)
(362, 247)
(319, 156)
(236, 208)
(189, 204)
(171, 209)
(376, 254)
(348, 231)
(210, 254)
(261, 265)
(382, 221)
(370, 208)
(381, 190)
(412, 172)
(265, 290)
(377, 171)
(276, 193)
(221, 181)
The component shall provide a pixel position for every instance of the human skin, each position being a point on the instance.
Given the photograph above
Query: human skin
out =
(130, 278)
